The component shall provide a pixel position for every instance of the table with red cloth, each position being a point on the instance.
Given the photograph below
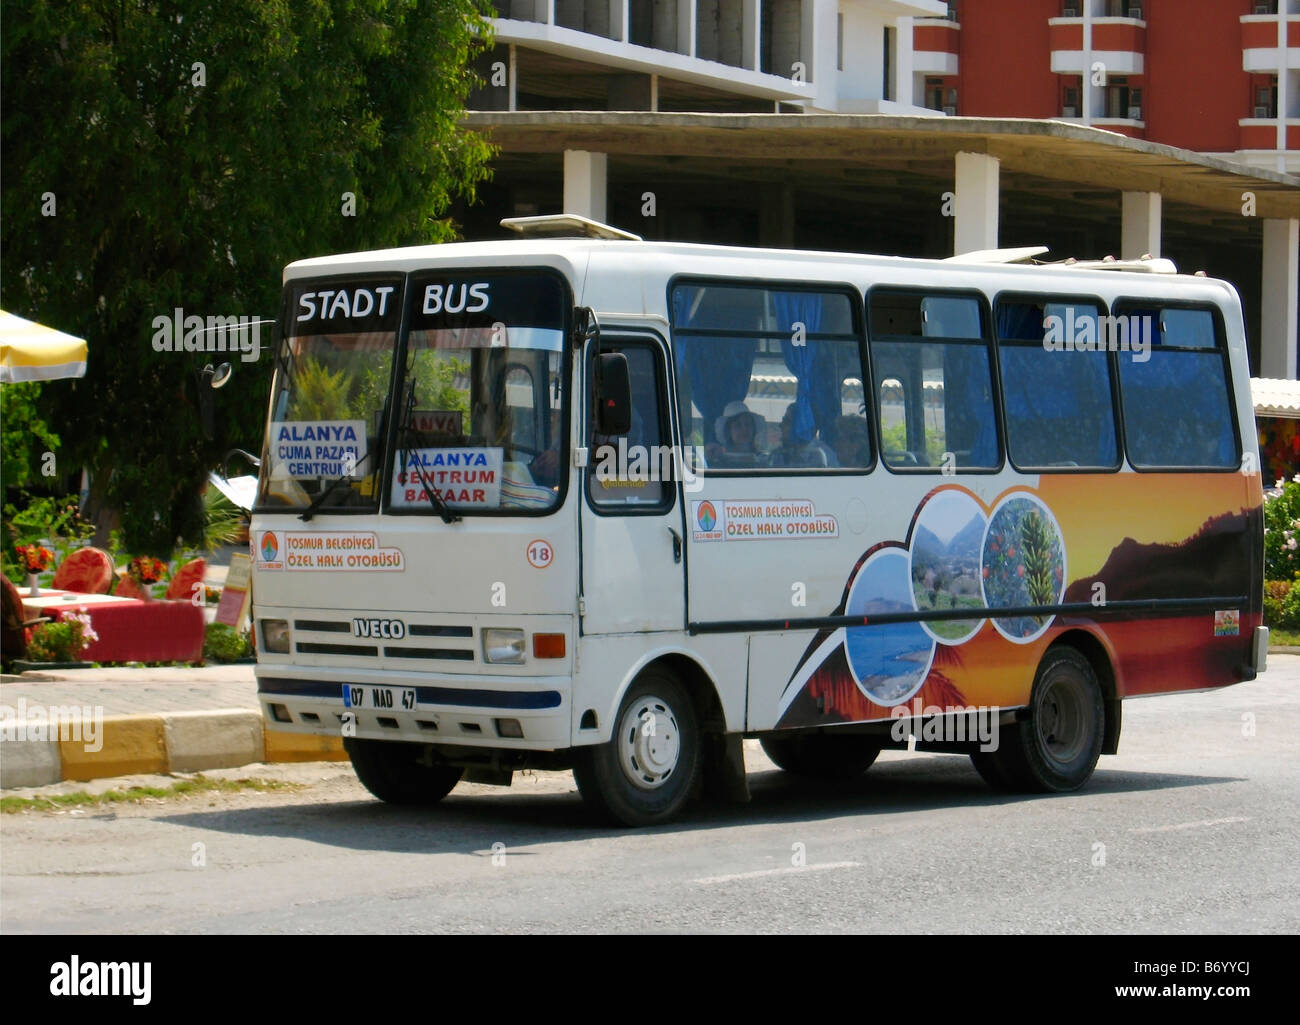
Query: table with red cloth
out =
(130, 630)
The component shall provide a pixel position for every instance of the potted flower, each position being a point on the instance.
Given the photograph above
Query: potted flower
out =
(60, 645)
(146, 571)
(35, 559)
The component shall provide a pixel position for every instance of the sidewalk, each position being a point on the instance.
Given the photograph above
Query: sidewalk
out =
(117, 721)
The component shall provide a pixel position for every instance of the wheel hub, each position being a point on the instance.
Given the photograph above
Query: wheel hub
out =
(1060, 721)
(649, 742)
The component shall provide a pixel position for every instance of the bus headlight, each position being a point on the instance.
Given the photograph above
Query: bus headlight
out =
(275, 636)
(503, 646)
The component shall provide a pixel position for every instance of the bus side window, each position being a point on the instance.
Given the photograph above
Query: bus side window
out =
(635, 469)
(1056, 384)
(1174, 389)
(934, 382)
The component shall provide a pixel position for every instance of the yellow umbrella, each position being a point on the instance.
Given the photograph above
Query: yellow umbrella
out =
(32, 352)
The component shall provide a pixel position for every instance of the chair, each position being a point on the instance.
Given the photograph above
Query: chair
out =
(183, 580)
(15, 621)
(127, 587)
(85, 571)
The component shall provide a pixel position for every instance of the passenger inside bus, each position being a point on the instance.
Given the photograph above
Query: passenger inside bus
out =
(852, 441)
(792, 453)
(738, 431)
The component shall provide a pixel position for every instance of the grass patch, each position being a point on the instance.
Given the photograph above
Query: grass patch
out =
(200, 784)
(1284, 637)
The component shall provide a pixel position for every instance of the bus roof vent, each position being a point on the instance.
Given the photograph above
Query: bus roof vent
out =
(1022, 255)
(565, 226)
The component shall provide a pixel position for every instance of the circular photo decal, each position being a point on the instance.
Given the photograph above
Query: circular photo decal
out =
(945, 563)
(888, 662)
(1023, 564)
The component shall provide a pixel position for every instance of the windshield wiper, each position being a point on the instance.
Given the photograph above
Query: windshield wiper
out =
(405, 430)
(329, 489)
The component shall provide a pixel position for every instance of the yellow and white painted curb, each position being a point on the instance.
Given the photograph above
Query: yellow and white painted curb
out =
(123, 745)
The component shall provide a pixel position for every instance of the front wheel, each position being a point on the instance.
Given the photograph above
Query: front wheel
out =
(645, 773)
(389, 769)
(1056, 748)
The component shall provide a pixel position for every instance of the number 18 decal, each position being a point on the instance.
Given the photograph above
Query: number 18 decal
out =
(540, 554)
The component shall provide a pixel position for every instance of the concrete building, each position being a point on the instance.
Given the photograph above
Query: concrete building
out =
(900, 127)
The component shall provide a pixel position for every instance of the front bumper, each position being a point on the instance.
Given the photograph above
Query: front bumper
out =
(449, 709)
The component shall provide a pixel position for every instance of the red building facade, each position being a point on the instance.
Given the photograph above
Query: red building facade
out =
(1216, 76)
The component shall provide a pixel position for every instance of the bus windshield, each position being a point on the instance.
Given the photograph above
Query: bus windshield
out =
(481, 420)
(330, 395)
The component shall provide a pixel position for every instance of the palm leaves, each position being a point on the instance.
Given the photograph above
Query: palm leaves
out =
(1037, 544)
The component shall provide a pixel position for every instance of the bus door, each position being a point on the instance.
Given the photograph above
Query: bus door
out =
(632, 569)
(770, 392)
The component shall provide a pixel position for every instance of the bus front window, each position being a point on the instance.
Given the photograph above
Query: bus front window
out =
(483, 418)
(326, 432)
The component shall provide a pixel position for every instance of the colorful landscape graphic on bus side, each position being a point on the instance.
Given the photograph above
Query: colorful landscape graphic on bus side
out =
(1117, 539)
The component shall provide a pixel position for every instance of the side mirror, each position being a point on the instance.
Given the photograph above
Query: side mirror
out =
(613, 394)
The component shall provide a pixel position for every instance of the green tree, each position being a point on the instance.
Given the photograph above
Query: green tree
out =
(163, 155)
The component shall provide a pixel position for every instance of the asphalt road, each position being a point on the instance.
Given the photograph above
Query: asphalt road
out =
(1191, 828)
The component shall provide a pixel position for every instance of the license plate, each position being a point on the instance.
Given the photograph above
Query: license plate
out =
(355, 696)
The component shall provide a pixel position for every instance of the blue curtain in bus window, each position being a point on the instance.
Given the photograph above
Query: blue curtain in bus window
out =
(816, 403)
(968, 403)
(718, 369)
(1020, 321)
(1176, 409)
(1059, 409)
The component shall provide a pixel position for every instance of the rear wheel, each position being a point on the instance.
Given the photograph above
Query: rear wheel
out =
(645, 773)
(823, 755)
(389, 769)
(1056, 748)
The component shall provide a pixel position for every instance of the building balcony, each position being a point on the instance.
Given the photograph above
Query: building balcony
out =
(1119, 43)
(935, 45)
(1259, 134)
(711, 43)
(1264, 37)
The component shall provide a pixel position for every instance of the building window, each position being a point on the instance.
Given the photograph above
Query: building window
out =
(1122, 101)
(888, 91)
(1123, 9)
(950, 106)
(952, 10)
(1265, 6)
(1070, 101)
(934, 93)
(1266, 99)
(1071, 8)
(839, 42)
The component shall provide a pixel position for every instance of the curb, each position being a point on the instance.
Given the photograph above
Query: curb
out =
(169, 742)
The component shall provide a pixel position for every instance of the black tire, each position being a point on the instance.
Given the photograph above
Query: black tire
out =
(389, 770)
(823, 755)
(1055, 749)
(641, 778)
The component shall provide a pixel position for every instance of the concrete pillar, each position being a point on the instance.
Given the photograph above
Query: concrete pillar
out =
(903, 77)
(978, 186)
(752, 35)
(1141, 225)
(1281, 288)
(584, 183)
(776, 217)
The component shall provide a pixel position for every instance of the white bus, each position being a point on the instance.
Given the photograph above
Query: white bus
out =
(613, 505)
